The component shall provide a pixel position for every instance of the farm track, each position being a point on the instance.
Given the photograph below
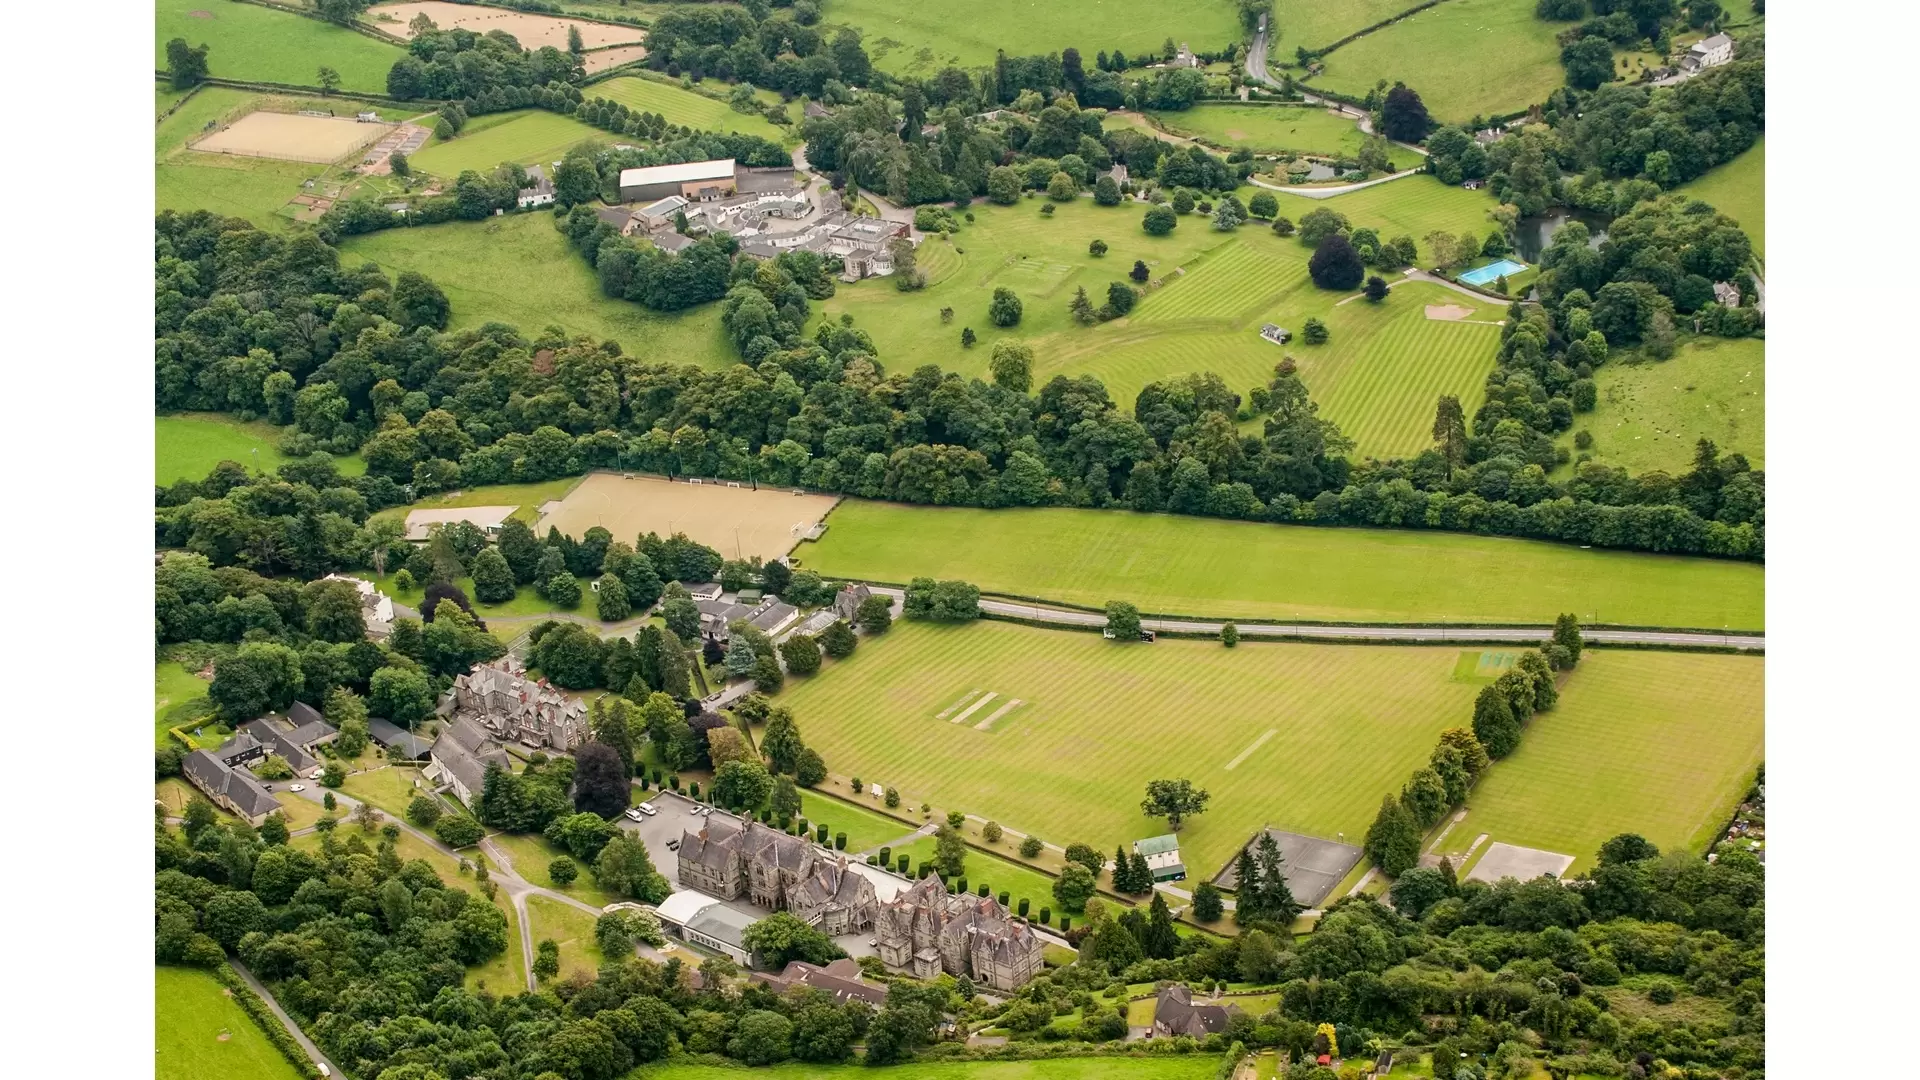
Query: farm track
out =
(1397, 633)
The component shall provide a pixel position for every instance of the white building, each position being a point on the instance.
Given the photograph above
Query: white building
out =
(375, 606)
(706, 922)
(539, 191)
(1706, 53)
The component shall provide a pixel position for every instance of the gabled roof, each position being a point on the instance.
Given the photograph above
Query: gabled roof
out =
(1157, 845)
(387, 733)
(465, 749)
(689, 172)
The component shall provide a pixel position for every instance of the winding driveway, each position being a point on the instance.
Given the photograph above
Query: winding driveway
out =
(1377, 632)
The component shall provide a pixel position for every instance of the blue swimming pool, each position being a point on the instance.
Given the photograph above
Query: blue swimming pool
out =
(1487, 275)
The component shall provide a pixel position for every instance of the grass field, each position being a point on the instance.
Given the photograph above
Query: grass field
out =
(1205, 319)
(1271, 129)
(683, 107)
(517, 269)
(1202, 566)
(1319, 23)
(865, 829)
(256, 44)
(389, 788)
(1652, 412)
(570, 928)
(506, 973)
(1465, 57)
(1662, 744)
(1191, 1067)
(532, 855)
(1738, 189)
(251, 188)
(200, 1033)
(920, 39)
(189, 445)
(1087, 700)
(526, 136)
(173, 686)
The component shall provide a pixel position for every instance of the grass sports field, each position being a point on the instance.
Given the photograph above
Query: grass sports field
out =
(1206, 318)
(739, 522)
(1662, 744)
(257, 44)
(1270, 129)
(1203, 566)
(188, 446)
(1465, 57)
(517, 269)
(683, 107)
(1189, 1067)
(1319, 23)
(920, 39)
(527, 136)
(200, 1033)
(1738, 189)
(1652, 412)
(1288, 730)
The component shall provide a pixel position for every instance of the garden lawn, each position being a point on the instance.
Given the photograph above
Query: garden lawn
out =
(526, 136)
(1272, 129)
(518, 269)
(1738, 189)
(920, 39)
(1188, 1067)
(1652, 412)
(571, 929)
(531, 855)
(389, 788)
(1466, 58)
(1203, 566)
(1347, 724)
(201, 1033)
(257, 44)
(865, 829)
(506, 973)
(1205, 318)
(683, 107)
(1661, 744)
(177, 694)
(1316, 24)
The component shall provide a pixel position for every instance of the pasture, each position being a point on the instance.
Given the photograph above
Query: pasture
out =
(1302, 737)
(1652, 412)
(683, 107)
(258, 44)
(1274, 129)
(1319, 23)
(1662, 744)
(292, 137)
(532, 31)
(518, 269)
(201, 1033)
(1237, 569)
(188, 445)
(245, 187)
(1216, 290)
(525, 136)
(1186, 1067)
(739, 522)
(920, 39)
(1738, 189)
(1466, 58)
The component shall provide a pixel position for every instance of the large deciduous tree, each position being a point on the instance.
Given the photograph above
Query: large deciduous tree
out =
(1175, 800)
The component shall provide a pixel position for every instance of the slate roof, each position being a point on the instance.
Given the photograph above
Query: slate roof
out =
(237, 785)
(671, 242)
(714, 846)
(774, 617)
(465, 749)
(241, 743)
(1175, 1010)
(840, 978)
(387, 733)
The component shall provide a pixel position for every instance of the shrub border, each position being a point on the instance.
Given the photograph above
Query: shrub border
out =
(263, 1017)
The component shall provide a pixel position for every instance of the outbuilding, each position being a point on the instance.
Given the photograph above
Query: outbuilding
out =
(694, 180)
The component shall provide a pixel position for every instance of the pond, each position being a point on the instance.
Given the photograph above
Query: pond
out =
(1532, 235)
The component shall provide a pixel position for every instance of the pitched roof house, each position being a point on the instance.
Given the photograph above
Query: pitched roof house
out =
(231, 789)
(295, 737)
(513, 707)
(376, 607)
(927, 930)
(848, 600)
(539, 189)
(460, 757)
(776, 870)
(1174, 1013)
(840, 978)
(385, 733)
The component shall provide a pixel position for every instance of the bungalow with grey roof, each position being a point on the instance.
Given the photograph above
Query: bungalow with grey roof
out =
(231, 789)
(460, 758)
(1174, 1013)
(386, 735)
(294, 738)
(841, 978)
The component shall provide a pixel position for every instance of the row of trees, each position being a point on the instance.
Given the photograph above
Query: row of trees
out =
(1500, 714)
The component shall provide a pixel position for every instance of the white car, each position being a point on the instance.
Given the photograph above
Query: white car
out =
(296, 787)
(633, 814)
(647, 809)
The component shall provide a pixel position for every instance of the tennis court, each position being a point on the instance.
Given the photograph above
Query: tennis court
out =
(1487, 275)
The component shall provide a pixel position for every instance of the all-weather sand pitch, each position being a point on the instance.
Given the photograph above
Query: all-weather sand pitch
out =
(1520, 863)
(738, 522)
(1313, 866)
(292, 137)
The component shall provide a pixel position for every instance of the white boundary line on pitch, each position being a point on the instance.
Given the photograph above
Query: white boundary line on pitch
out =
(998, 713)
(964, 698)
(1248, 752)
(975, 707)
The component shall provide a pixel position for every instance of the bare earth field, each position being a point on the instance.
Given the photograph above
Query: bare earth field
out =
(531, 31)
(739, 522)
(291, 137)
(602, 59)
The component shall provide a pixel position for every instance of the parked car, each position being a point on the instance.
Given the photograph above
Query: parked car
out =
(633, 814)
(647, 809)
(296, 787)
